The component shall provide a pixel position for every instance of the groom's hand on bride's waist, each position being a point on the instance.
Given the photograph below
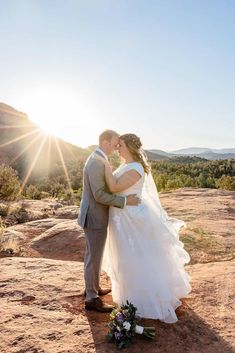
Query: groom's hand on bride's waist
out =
(132, 200)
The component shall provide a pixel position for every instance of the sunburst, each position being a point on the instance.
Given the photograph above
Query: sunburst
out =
(45, 137)
(36, 138)
(20, 137)
(63, 163)
(33, 163)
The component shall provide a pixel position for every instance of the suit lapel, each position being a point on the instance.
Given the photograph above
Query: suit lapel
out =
(100, 154)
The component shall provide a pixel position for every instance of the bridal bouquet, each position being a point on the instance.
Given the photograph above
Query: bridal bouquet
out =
(123, 326)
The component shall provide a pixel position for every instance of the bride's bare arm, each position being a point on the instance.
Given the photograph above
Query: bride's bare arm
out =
(124, 182)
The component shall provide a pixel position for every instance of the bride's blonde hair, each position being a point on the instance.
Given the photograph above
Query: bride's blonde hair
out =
(134, 145)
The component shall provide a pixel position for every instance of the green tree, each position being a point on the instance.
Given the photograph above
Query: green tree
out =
(9, 183)
(226, 182)
(160, 181)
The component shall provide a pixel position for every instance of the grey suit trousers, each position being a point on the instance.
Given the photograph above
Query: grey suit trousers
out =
(95, 243)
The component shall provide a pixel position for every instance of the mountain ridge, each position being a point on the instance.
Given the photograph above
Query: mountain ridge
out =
(198, 150)
(14, 124)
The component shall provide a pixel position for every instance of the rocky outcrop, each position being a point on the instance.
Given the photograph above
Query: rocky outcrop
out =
(65, 240)
(50, 238)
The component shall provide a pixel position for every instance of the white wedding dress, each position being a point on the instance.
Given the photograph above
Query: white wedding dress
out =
(143, 255)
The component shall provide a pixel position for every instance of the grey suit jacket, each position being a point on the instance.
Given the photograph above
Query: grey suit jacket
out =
(94, 208)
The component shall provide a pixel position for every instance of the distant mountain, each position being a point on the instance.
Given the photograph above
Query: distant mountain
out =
(224, 150)
(190, 151)
(30, 151)
(25, 147)
(11, 116)
(199, 150)
(162, 153)
(204, 153)
(215, 156)
(208, 153)
(156, 155)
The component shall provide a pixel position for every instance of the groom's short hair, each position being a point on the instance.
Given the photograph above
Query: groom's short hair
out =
(107, 135)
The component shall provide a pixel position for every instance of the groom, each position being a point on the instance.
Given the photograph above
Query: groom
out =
(93, 217)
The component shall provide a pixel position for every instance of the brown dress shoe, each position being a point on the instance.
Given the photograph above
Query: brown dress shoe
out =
(101, 291)
(97, 304)
(104, 291)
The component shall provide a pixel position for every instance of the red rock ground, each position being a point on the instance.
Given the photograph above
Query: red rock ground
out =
(41, 302)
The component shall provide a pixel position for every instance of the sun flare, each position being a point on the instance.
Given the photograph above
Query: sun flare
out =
(55, 110)
(51, 109)
(66, 112)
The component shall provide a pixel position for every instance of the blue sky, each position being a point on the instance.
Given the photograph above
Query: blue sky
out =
(164, 70)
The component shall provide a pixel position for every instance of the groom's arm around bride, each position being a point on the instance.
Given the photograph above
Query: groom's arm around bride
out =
(96, 198)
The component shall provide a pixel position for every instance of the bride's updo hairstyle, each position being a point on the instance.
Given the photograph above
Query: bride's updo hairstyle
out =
(134, 145)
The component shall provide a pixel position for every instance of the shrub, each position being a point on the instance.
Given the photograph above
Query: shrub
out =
(161, 181)
(77, 196)
(20, 214)
(9, 183)
(32, 192)
(226, 182)
(44, 194)
(67, 196)
(52, 188)
(175, 183)
(4, 209)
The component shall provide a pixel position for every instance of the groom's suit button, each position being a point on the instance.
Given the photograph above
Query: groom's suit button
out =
(98, 305)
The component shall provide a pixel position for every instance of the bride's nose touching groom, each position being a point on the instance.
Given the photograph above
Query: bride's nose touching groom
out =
(128, 233)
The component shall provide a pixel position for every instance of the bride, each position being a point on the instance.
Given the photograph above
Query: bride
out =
(143, 254)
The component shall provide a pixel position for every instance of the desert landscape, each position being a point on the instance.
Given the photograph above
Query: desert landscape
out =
(41, 283)
(150, 82)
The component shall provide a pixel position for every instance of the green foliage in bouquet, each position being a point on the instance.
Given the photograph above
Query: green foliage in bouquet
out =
(123, 326)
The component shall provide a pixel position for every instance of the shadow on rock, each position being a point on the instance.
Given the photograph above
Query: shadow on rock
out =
(190, 334)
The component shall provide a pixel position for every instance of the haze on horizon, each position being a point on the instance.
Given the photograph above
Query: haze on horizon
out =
(161, 69)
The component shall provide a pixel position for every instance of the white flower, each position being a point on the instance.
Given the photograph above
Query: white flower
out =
(126, 325)
(139, 329)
